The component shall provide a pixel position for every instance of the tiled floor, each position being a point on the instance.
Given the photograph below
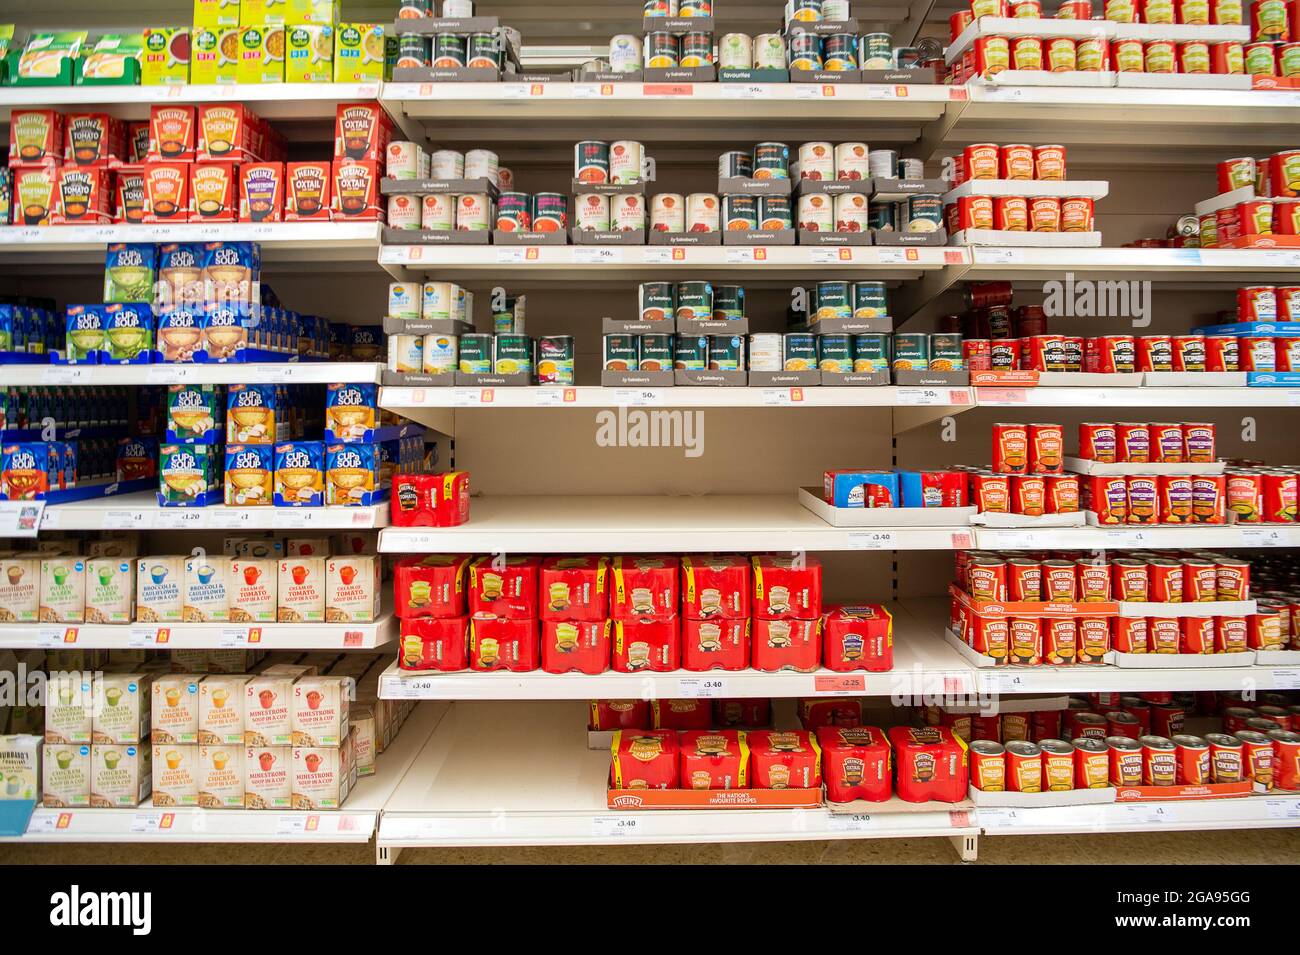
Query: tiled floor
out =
(1209, 848)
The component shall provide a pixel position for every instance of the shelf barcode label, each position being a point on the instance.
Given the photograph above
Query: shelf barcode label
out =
(701, 689)
(616, 827)
(871, 540)
(849, 822)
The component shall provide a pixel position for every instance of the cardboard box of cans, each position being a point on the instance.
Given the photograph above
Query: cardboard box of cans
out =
(629, 615)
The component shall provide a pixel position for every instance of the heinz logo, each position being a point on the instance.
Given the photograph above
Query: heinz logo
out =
(347, 459)
(248, 459)
(296, 459)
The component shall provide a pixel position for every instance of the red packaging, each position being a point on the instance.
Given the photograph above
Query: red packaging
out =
(858, 638)
(1044, 214)
(1025, 641)
(1235, 173)
(1256, 353)
(1200, 580)
(1011, 451)
(1075, 10)
(1232, 579)
(1227, 57)
(1026, 53)
(814, 714)
(1077, 214)
(1165, 579)
(1221, 353)
(362, 131)
(1193, 57)
(82, 196)
(1164, 634)
(977, 354)
(1286, 759)
(1286, 221)
(1045, 724)
(618, 714)
(1130, 635)
(643, 588)
(786, 645)
(1198, 443)
(1062, 494)
(575, 646)
(1097, 442)
(1284, 183)
(644, 759)
(1287, 352)
(986, 579)
(1280, 489)
(991, 492)
(1193, 760)
(786, 588)
(1046, 448)
(651, 645)
(503, 644)
(36, 137)
(1028, 494)
(1130, 580)
(166, 192)
(1231, 635)
(1111, 354)
(1167, 443)
(1024, 580)
(356, 191)
(1133, 444)
(1160, 56)
(128, 195)
(713, 759)
(1209, 497)
(742, 713)
(430, 500)
(441, 644)
(1093, 580)
(1257, 758)
(1024, 767)
(958, 22)
(784, 759)
(1016, 161)
(681, 714)
(173, 133)
(1005, 354)
(1264, 630)
(1060, 641)
(1159, 761)
(261, 192)
(1227, 225)
(93, 139)
(228, 131)
(1167, 719)
(1122, 723)
(1188, 352)
(1143, 498)
(308, 191)
(1155, 353)
(992, 55)
(137, 141)
(715, 586)
(855, 763)
(504, 587)
(1011, 213)
(575, 589)
(991, 637)
(717, 644)
(1094, 639)
(975, 212)
(33, 195)
(214, 192)
(1108, 498)
(1060, 581)
(1197, 635)
(932, 764)
(1175, 495)
(432, 586)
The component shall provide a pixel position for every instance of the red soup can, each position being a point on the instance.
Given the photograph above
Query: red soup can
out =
(1046, 448)
(1209, 498)
(1167, 443)
(1028, 494)
(1132, 443)
(1111, 354)
(1074, 10)
(1126, 761)
(1155, 353)
(1130, 580)
(1159, 761)
(1165, 578)
(1200, 580)
(1244, 495)
(1197, 635)
(1286, 759)
(1280, 490)
(1175, 499)
(1061, 494)
(1011, 213)
(1091, 764)
(1226, 758)
(1060, 582)
(1016, 162)
(1167, 719)
(975, 212)
(1093, 580)
(1024, 580)
(1025, 636)
(1193, 767)
(1160, 56)
(1227, 57)
(1257, 758)
(1120, 723)
(1193, 57)
(1045, 214)
(1094, 639)
(1220, 353)
(1189, 352)
(1091, 54)
(1024, 767)
(1076, 214)
(1199, 442)
(1026, 53)
(1097, 442)
(1011, 449)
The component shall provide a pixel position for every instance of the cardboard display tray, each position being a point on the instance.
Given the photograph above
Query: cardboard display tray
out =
(677, 25)
(826, 76)
(712, 326)
(637, 379)
(833, 187)
(528, 238)
(749, 186)
(998, 519)
(521, 379)
(610, 76)
(585, 237)
(855, 379)
(668, 799)
(835, 238)
(636, 326)
(460, 74)
(785, 379)
(1184, 793)
(1088, 467)
(754, 237)
(1003, 378)
(981, 662)
(1036, 608)
(393, 236)
(711, 378)
(429, 26)
(916, 378)
(1018, 800)
(897, 77)
(823, 27)
(892, 517)
(753, 76)
(610, 188)
(880, 325)
(442, 187)
(889, 237)
(1181, 661)
(1208, 608)
(1195, 379)
(441, 326)
(684, 239)
(896, 190)
(680, 74)
(402, 379)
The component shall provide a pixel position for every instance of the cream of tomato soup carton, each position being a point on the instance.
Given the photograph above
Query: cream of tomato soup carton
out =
(268, 717)
(221, 776)
(206, 597)
(159, 585)
(307, 547)
(254, 590)
(267, 777)
(120, 776)
(322, 775)
(352, 593)
(20, 766)
(320, 710)
(121, 707)
(63, 590)
(110, 590)
(302, 590)
(221, 709)
(175, 774)
(20, 581)
(65, 775)
(175, 708)
(69, 706)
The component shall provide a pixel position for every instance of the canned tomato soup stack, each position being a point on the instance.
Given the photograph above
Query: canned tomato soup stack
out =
(1016, 162)
(1027, 473)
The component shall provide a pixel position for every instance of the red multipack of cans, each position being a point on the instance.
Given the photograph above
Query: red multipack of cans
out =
(575, 588)
(618, 714)
(816, 713)
(858, 637)
(574, 646)
(434, 644)
(649, 645)
(715, 586)
(787, 587)
(504, 587)
(855, 763)
(713, 759)
(786, 644)
(784, 759)
(643, 588)
(500, 644)
(681, 714)
(931, 762)
(430, 500)
(716, 644)
(431, 586)
(644, 759)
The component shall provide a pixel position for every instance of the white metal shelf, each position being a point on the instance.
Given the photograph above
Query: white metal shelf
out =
(1147, 397)
(141, 512)
(355, 822)
(1264, 811)
(1138, 536)
(378, 635)
(306, 372)
(270, 100)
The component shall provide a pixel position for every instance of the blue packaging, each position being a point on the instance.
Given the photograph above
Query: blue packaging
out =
(300, 474)
(84, 335)
(232, 272)
(352, 475)
(129, 334)
(180, 332)
(130, 272)
(857, 488)
(252, 414)
(180, 274)
(226, 330)
(351, 412)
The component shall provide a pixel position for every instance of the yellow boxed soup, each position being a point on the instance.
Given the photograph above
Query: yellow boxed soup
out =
(359, 53)
(214, 55)
(261, 53)
(309, 54)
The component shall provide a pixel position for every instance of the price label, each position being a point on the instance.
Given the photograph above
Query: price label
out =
(701, 689)
(1004, 682)
(882, 92)
(658, 255)
(239, 518)
(808, 91)
(1126, 538)
(65, 375)
(1264, 537)
(616, 827)
(515, 90)
(741, 91)
(1286, 678)
(1003, 396)
(1293, 399)
(893, 256)
(298, 517)
(778, 396)
(999, 256)
(45, 820)
(849, 822)
(739, 255)
(287, 825)
(169, 374)
(823, 256)
(232, 638)
(408, 689)
(999, 818)
(51, 636)
(150, 821)
(554, 397)
(1283, 260)
(510, 255)
(1148, 815)
(636, 398)
(871, 540)
(919, 396)
(21, 518)
(594, 255)
(142, 637)
(465, 397)
(850, 684)
(1283, 808)
(961, 540)
(181, 518)
(586, 91)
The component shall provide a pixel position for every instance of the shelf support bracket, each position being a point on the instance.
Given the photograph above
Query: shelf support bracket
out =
(967, 847)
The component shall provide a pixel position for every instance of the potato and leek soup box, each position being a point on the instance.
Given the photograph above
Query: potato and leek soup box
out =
(121, 707)
(206, 597)
(267, 777)
(253, 589)
(221, 776)
(65, 776)
(175, 774)
(20, 766)
(20, 580)
(120, 776)
(158, 591)
(110, 590)
(175, 710)
(221, 709)
(69, 705)
(268, 699)
(352, 592)
(320, 710)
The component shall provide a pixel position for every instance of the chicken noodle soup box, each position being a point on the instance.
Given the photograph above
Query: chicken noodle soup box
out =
(249, 475)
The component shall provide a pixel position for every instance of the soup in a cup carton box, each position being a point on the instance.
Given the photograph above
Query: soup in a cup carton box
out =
(65, 776)
(320, 710)
(121, 707)
(268, 780)
(206, 598)
(302, 590)
(221, 777)
(120, 776)
(221, 709)
(322, 776)
(63, 590)
(175, 709)
(69, 706)
(268, 699)
(20, 580)
(175, 774)
(158, 592)
(352, 593)
(253, 590)
(20, 766)
(361, 719)
(110, 590)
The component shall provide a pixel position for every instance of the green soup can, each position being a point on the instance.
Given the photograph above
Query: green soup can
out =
(870, 353)
(695, 300)
(475, 354)
(911, 351)
(946, 352)
(869, 300)
(728, 302)
(512, 354)
(799, 352)
(656, 353)
(691, 353)
(622, 352)
(835, 353)
(832, 301)
(726, 352)
(657, 301)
